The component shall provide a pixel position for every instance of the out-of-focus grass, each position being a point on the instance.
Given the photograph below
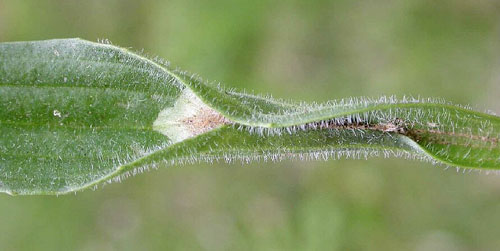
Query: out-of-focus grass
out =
(310, 50)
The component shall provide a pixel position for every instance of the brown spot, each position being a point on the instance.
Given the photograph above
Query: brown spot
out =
(396, 126)
(204, 120)
(399, 126)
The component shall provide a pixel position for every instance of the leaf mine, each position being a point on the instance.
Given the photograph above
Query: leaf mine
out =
(187, 118)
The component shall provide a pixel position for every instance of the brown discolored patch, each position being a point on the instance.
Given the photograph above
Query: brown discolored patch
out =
(204, 120)
(399, 126)
(396, 126)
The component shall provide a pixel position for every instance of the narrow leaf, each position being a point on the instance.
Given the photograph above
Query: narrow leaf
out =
(74, 114)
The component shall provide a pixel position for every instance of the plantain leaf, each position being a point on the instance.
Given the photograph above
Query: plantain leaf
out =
(74, 114)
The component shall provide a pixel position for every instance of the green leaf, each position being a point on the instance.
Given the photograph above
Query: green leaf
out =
(74, 114)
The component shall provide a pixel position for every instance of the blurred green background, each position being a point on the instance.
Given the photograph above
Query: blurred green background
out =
(307, 50)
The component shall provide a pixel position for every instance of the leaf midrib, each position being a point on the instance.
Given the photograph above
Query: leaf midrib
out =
(64, 126)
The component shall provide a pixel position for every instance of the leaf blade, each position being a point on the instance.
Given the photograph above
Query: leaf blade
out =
(74, 114)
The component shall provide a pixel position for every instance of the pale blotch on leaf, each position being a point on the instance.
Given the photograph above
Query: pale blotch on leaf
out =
(187, 118)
